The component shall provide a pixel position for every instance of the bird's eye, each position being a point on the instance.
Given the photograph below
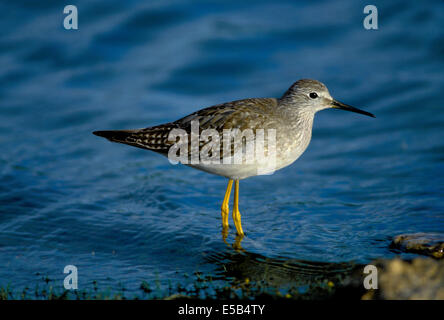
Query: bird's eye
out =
(313, 95)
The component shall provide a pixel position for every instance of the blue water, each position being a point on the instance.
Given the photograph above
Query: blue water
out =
(124, 215)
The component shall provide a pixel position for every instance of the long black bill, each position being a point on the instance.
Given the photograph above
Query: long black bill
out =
(343, 106)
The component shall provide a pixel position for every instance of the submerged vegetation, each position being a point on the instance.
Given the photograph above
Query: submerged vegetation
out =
(420, 278)
(203, 288)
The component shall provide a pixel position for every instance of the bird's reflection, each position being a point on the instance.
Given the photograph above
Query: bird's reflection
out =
(237, 240)
(240, 265)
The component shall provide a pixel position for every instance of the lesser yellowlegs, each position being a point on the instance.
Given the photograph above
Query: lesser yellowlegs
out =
(291, 118)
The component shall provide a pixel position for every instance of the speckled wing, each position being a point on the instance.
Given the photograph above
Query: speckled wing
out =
(244, 114)
(255, 113)
(240, 114)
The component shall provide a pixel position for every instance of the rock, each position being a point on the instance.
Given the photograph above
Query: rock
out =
(419, 279)
(430, 244)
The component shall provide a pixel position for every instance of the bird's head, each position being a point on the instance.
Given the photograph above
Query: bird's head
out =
(313, 96)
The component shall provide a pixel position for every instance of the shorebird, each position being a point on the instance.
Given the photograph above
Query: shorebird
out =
(291, 116)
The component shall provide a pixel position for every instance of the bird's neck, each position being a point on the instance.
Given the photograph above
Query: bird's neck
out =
(299, 124)
(298, 118)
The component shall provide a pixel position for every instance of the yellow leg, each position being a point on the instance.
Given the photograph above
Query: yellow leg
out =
(225, 209)
(236, 213)
(237, 243)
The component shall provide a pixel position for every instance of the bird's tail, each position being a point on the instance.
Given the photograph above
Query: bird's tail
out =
(152, 138)
(121, 136)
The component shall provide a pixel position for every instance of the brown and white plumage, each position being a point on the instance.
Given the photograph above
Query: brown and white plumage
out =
(256, 113)
(240, 114)
(291, 116)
